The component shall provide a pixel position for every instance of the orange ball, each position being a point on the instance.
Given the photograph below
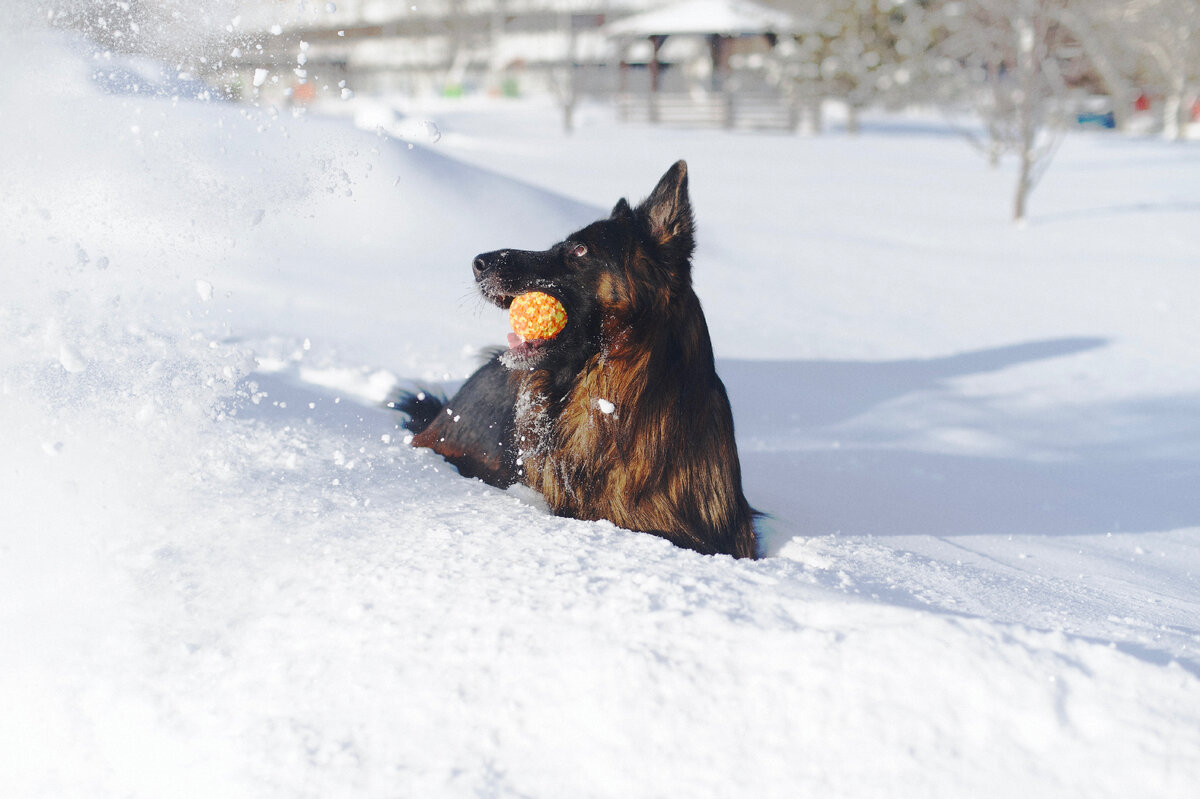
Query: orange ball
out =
(537, 316)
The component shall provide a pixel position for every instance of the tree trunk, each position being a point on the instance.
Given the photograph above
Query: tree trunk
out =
(1026, 123)
(569, 118)
(655, 67)
(814, 116)
(570, 89)
(1024, 180)
(1174, 108)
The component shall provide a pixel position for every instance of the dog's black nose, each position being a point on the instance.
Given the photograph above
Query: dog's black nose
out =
(487, 261)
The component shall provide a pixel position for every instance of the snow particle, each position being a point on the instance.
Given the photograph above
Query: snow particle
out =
(205, 290)
(605, 406)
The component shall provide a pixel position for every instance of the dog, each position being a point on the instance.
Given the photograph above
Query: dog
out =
(620, 416)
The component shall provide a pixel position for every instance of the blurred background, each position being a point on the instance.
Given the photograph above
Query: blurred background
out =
(723, 62)
(1020, 70)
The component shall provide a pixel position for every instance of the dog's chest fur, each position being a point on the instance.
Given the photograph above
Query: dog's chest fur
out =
(568, 447)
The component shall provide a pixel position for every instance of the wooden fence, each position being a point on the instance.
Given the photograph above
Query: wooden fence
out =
(731, 110)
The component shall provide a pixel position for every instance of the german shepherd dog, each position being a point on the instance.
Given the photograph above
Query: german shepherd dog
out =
(621, 416)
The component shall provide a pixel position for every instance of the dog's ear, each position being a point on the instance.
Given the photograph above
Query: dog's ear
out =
(621, 210)
(668, 211)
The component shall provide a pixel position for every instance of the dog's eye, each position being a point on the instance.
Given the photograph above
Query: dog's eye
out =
(579, 251)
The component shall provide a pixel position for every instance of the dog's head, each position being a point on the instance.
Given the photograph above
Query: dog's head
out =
(607, 275)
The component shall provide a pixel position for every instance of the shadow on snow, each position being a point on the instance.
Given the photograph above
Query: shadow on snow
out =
(815, 474)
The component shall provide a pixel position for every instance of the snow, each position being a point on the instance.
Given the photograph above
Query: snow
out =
(222, 572)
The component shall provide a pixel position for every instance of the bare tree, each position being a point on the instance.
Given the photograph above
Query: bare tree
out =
(862, 52)
(563, 73)
(1012, 54)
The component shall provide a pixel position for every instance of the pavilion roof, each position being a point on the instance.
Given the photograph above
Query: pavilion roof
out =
(706, 17)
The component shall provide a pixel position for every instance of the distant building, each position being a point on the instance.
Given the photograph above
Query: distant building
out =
(730, 74)
(430, 46)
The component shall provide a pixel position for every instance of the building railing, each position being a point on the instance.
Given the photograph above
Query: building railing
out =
(720, 110)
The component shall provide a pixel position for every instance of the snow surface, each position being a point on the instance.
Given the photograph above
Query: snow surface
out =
(223, 573)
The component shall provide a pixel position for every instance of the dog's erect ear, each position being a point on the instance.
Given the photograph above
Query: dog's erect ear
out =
(621, 210)
(667, 211)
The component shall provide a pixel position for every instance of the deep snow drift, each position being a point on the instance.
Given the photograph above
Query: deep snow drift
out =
(223, 573)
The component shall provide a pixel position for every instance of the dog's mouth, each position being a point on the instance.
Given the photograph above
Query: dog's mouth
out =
(525, 354)
(522, 353)
(519, 344)
(516, 341)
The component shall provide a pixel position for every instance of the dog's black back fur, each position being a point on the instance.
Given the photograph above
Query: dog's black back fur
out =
(474, 431)
(621, 416)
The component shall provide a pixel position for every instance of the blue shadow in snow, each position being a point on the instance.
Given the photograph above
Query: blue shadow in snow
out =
(1134, 480)
(286, 400)
(778, 394)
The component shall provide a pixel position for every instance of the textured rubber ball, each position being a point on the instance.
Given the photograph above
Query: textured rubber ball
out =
(537, 316)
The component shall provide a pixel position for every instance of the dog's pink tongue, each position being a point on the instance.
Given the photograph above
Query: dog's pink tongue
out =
(515, 340)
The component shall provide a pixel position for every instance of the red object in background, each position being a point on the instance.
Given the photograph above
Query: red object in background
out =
(1196, 110)
(304, 93)
(1142, 103)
